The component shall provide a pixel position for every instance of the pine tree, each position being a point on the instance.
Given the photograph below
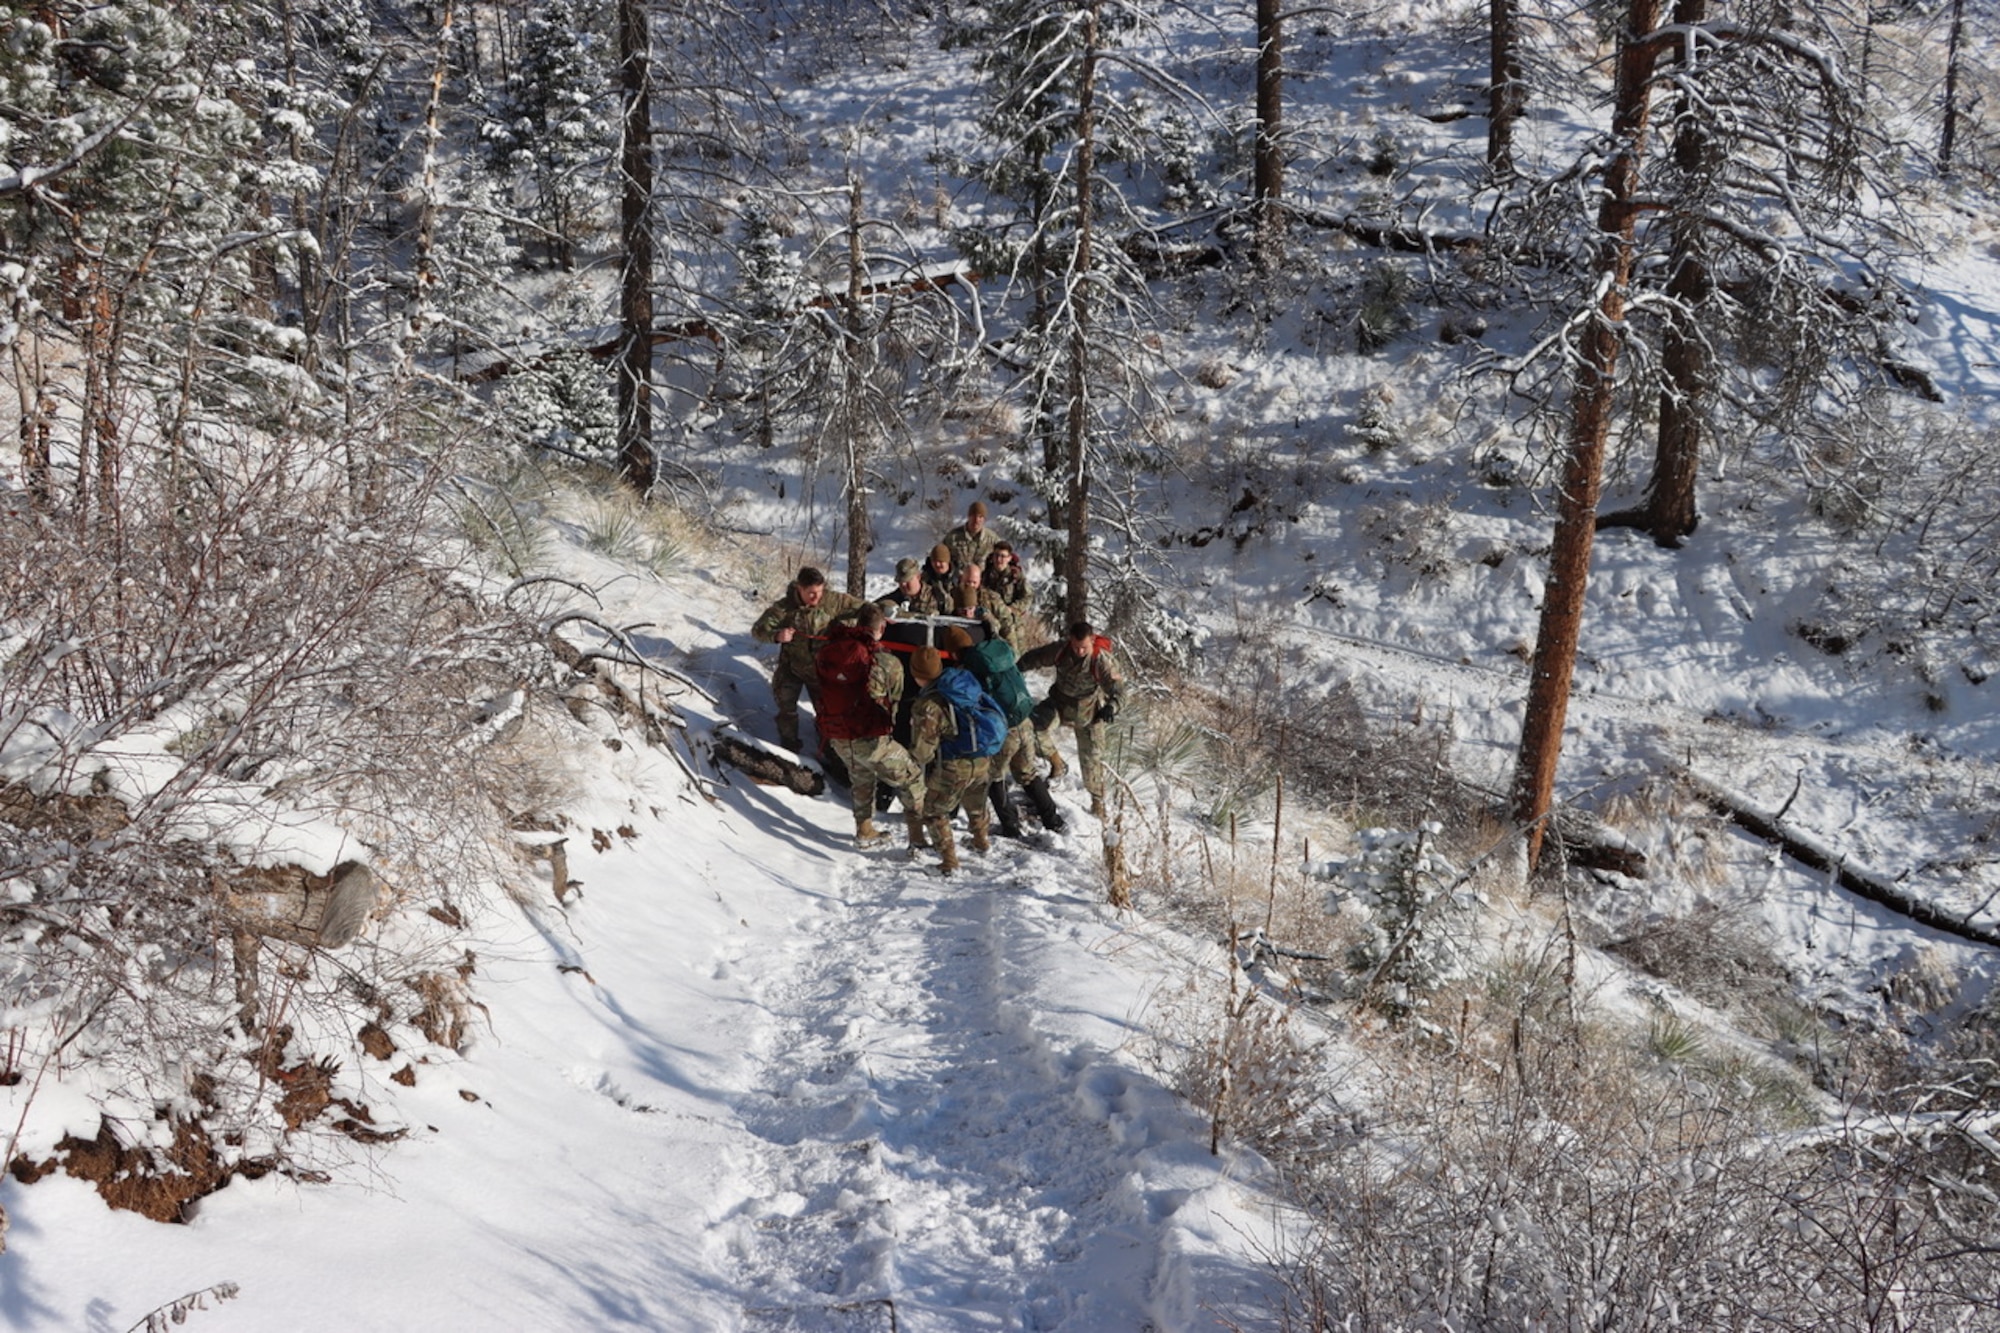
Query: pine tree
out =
(548, 135)
(1053, 125)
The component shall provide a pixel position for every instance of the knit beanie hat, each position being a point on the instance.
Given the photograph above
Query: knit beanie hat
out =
(941, 552)
(965, 597)
(925, 665)
(977, 509)
(954, 639)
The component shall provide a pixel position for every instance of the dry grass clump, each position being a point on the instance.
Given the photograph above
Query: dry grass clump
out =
(1718, 954)
(1687, 842)
(1253, 1063)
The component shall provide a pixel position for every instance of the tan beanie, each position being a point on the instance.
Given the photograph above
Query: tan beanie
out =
(925, 665)
(954, 639)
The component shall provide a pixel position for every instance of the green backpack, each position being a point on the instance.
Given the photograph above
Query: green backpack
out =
(992, 662)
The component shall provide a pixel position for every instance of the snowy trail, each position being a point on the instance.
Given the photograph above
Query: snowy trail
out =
(925, 1140)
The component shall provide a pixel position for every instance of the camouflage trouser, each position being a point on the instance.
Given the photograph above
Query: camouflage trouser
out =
(874, 760)
(1080, 715)
(1017, 754)
(785, 689)
(953, 781)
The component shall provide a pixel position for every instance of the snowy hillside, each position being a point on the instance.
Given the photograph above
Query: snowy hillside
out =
(611, 1036)
(744, 1078)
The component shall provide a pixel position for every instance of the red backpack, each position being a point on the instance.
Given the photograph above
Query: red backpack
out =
(843, 707)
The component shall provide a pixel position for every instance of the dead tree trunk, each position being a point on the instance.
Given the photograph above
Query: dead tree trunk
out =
(1669, 512)
(855, 370)
(1954, 56)
(1590, 421)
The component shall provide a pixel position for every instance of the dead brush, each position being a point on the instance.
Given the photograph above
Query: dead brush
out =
(1717, 954)
(1532, 1173)
(1685, 839)
(1332, 753)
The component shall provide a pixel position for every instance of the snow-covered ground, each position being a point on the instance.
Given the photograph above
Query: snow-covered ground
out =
(750, 1078)
(746, 1078)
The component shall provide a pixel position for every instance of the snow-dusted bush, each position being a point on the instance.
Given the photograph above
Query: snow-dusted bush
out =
(1414, 906)
(1418, 537)
(1244, 1059)
(209, 712)
(1373, 428)
(564, 405)
(1538, 1176)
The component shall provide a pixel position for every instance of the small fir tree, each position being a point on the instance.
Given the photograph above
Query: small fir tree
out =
(1414, 906)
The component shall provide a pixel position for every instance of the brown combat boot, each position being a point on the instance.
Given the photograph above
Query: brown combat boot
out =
(981, 835)
(1056, 765)
(947, 850)
(914, 822)
(865, 832)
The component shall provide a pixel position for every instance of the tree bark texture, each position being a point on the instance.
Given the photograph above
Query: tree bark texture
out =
(855, 367)
(1267, 177)
(1507, 92)
(636, 464)
(1590, 419)
(1076, 560)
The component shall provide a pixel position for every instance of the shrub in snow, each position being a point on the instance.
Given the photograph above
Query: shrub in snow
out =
(1372, 427)
(1414, 906)
(1188, 180)
(1385, 312)
(1419, 537)
(565, 405)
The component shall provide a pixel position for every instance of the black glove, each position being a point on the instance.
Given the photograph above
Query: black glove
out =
(1108, 711)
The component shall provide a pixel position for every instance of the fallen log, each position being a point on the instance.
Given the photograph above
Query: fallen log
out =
(1810, 852)
(767, 767)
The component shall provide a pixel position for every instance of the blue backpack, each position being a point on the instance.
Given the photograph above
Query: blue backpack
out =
(982, 727)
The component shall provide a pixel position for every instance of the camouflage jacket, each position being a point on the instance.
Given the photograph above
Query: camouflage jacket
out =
(885, 680)
(1001, 619)
(1011, 586)
(929, 600)
(1080, 678)
(930, 722)
(967, 549)
(808, 623)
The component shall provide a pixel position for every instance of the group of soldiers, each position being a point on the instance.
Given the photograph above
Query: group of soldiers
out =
(922, 729)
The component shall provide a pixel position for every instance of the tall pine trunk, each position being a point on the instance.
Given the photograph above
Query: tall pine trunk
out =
(1591, 404)
(1076, 560)
(1507, 92)
(1267, 175)
(634, 373)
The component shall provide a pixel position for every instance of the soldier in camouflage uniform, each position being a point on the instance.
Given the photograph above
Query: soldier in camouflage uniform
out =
(1005, 576)
(976, 602)
(940, 575)
(858, 722)
(1016, 758)
(970, 542)
(950, 783)
(1084, 697)
(794, 622)
(913, 595)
